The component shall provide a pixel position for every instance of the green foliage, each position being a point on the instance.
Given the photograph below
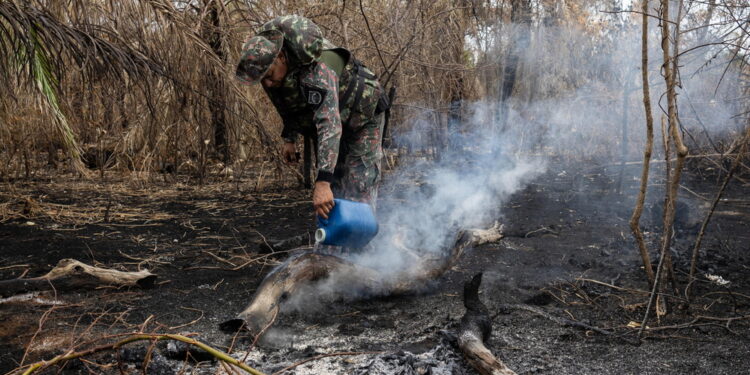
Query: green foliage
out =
(47, 83)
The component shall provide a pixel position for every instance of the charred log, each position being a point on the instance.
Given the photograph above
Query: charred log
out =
(308, 268)
(70, 274)
(476, 320)
(284, 281)
(475, 329)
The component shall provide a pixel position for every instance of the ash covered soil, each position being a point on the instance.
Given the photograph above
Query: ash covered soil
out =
(568, 254)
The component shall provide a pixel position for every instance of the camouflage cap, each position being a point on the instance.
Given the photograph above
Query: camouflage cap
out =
(303, 37)
(258, 54)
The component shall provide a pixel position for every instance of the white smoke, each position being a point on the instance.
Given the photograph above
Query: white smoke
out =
(576, 89)
(426, 204)
(433, 200)
(574, 96)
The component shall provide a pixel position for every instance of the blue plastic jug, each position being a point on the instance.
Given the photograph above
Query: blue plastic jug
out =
(350, 224)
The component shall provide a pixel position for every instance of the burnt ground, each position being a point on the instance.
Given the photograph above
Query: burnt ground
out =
(567, 236)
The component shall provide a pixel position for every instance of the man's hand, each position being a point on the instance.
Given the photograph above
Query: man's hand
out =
(289, 153)
(322, 198)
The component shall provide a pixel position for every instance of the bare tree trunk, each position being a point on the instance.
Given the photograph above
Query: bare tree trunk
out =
(454, 113)
(673, 178)
(636, 218)
(680, 148)
(707, 22)
(456, 88)
(521, 18)
(217, 95)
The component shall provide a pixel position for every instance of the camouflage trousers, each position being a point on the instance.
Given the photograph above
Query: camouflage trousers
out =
(357, 173)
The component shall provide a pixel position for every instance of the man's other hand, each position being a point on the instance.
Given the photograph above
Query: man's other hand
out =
(322, 199)
(289, 152)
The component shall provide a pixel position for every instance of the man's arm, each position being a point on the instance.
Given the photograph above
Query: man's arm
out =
(288, 149)
(320, 88)
(289, 132)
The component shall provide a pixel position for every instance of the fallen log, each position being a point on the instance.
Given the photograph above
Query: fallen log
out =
(284, 281)
(475, 329)
(308, 268)
(71, 274)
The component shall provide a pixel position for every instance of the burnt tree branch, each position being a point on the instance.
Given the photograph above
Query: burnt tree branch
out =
(308, 268)
(71, 274)
(475, 329)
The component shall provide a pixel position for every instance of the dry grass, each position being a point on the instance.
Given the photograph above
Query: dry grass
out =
(144, 99)
(126, 198)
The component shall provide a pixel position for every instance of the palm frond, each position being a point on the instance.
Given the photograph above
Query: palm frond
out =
(92, 47)
(46, 83)
(38, 48)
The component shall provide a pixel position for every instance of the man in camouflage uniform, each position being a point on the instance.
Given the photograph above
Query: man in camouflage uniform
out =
(322, 91)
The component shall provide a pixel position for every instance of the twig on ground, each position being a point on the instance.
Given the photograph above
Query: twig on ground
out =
(149, 354)
(234, 232)
(88, 328)
(14, 266)
(142, 328)
(732, 293)
(542, 229)
(240, 266)
(120, 318)
(42, 320)
(683, 187)
(694, 323)
(24, 273)
(190, 322)
(260, 334)
(263, 238)
(234, 339)
(141, 261)
(220, 259)
(558, 320)
(613, 286)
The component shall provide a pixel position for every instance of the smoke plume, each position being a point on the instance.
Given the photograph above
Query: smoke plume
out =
(577, 99)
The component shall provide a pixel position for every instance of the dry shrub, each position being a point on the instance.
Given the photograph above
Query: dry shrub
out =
(154, 106)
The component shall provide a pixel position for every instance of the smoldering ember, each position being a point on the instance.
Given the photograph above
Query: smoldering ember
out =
(375, 187)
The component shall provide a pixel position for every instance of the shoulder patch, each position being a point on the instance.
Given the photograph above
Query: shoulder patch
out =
(314, 96)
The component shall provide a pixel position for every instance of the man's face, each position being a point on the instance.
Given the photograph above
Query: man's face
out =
(276, 73)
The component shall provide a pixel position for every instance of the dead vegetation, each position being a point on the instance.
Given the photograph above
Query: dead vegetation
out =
(122, 98)
(127, 102)
(299, 272)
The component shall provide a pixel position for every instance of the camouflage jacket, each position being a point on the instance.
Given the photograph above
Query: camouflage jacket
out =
(313, 99)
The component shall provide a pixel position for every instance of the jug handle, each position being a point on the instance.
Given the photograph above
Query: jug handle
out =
(324, 222)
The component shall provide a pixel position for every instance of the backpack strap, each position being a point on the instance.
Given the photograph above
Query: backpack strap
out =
(356, 81)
